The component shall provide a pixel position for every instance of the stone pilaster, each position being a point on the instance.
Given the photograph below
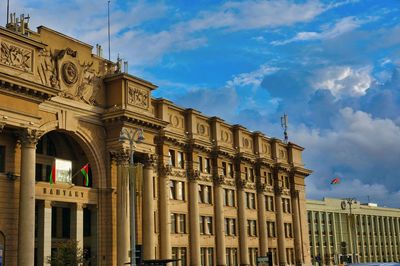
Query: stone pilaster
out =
(262, 223)
(219, 220)
(243, 246)
(194, 225)
(123, 229)
(279, 226)
(148, 209)
(77, 224)
(26, 221)
(165, 219)
(44, 232)
(297, 228)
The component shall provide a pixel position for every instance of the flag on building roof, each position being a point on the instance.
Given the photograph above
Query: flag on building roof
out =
(336, 180)
(52, 177)
(85, 173)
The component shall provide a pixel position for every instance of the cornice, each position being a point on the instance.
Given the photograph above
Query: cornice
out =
(133, 117)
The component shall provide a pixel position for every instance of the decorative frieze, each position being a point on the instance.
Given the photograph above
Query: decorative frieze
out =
(15, 56)
(138, 97)
(29, 137)
(165, 170)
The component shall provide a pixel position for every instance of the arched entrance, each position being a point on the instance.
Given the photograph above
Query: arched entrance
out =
(66, 198)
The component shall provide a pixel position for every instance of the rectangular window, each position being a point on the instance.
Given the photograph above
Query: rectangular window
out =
(251, 175)
(179, 253)
(229, 197)
(251, 228)
(2, 158)
(271, 229)
(171, 154)
(288, 230)
(178, 223)
(206, 226)
(201, 167)
(286, 205)
(270, 180)
(230, 170)
(208, 166)
(205, 194)
(39, 172)
(253, 253)
(250, 200)
(210, 256)
(231, 257)
(230, 226)
(173, 223)
(269, 203)
(287, 182)
(176, 190)
(224, 169)
(181, 162)
(246, 173)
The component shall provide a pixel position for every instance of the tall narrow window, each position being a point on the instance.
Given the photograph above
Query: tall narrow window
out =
(230, 170)
(181, 162)
(201, 168)
(171, 154)
(224, 168)
(2, 159)
(208, 165)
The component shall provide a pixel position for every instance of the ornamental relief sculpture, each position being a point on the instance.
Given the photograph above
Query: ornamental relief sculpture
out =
(16, 57)
(61, 69)
(138, 97)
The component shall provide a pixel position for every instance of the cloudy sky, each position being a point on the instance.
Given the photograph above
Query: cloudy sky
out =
(332, 66)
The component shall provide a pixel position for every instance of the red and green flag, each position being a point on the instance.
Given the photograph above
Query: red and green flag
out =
(335, 181)
(85, 173)
(52, 177)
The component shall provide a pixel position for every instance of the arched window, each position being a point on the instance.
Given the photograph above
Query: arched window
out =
(2, 248)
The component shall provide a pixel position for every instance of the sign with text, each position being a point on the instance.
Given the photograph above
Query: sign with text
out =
(267, 260)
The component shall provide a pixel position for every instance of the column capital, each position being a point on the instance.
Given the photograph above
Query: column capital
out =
(29, 137)
(165, 170)
(150, 161)
(278, 190)
(241, 183)
(219, 180)
(260, 187)
(121, 157)
(193, 175)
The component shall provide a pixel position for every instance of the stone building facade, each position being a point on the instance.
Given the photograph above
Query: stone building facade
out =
(210, 193)
(369, 234)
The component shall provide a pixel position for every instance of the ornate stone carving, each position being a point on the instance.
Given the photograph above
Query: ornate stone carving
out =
(219, 180)
(165, 170)
(69, 73)
(261, 187)
(15, 56)
(29, 137)
(47, 69)
(241, 183)
(151, 160)
(121, 157)
(278, 190)
(194, 175)
(138, 97)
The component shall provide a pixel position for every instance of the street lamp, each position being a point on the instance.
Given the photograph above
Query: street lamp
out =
(350, 202)
(133, 136)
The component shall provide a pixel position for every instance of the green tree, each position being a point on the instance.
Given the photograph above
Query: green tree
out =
(68, 253)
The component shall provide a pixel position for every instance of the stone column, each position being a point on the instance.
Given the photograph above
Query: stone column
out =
(165, 219)
(262, 223)
(44, 232)
(26, 221)
(123, 229)
(77, 224)
(194, 225)
(280, 227)
(148, 209)
(243, 247)
(219, 221)
(297, 228)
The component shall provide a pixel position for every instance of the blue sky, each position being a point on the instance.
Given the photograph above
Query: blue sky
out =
(332, 66)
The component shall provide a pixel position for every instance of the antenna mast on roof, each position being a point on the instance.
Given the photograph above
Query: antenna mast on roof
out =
(8, 11)
(284, 124)
(109, 39)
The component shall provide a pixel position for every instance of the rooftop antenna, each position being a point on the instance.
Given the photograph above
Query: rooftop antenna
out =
(8, 11)
(109, 39)
(284, 125)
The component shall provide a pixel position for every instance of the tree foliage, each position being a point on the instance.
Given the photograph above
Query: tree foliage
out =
(68, 253)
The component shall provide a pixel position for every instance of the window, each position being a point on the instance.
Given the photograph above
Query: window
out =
(246, 173)
(178, 223)
(251, 175)
(269, 203)
(286, 205)
(230, 170)
(250, 200)
(176, 190)
(288, 230)
(290, 255)
(206, 226)
(229, 197)
(201, 168)
(230, 226)
(224, 169)
(253, 253)
(231, 256)
(207, 256)
(180, 254)
(2, 158)
(251, 228)
(181, 162)
(171, 154)
(270, 180)
(271, 229)
(274, 256)
(286, 182)
(205, 194)
(38, 172)
(208, 165)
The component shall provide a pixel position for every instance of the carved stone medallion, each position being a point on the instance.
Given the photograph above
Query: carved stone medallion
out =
(69, 73)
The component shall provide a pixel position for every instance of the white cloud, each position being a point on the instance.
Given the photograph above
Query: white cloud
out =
(343, 80)
(342, 26)
(253, 78)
